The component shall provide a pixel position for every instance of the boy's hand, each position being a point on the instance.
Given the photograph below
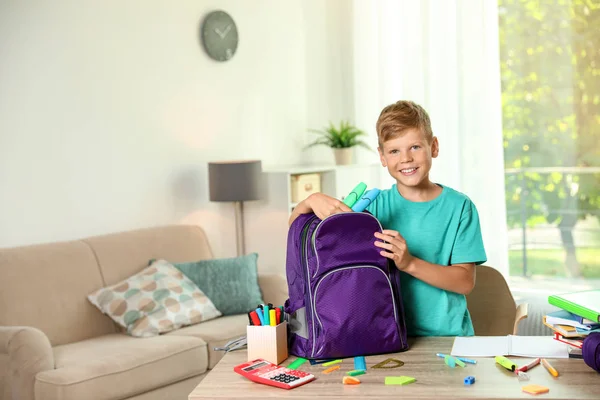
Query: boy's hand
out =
(323, 206)
(395, 249)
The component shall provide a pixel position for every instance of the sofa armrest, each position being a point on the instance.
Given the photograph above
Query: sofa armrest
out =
(29, 352)
(274, 289)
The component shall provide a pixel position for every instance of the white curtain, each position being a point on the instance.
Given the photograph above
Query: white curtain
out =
(443, 55)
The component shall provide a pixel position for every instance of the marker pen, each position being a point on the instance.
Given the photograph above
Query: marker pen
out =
(506, 363)
(528, 366)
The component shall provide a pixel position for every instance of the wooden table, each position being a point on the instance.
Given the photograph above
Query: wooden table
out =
(435, 380)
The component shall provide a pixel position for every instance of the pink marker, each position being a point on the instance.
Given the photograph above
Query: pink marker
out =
(528, 366)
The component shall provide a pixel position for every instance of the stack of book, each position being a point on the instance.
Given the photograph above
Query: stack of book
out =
(579, 316)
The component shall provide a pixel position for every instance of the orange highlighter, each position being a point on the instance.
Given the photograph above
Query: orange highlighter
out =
(549, 367)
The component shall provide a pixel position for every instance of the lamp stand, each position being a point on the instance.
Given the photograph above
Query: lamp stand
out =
(239, 228)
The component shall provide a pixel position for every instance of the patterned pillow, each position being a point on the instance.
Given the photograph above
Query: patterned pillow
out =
(158, 299)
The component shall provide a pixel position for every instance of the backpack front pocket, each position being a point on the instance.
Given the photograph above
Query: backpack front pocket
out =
(355, 314)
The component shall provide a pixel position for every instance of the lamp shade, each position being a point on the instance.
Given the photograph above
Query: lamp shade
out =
(234, 180)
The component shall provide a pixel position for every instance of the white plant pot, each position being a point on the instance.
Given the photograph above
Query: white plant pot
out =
(343, 156)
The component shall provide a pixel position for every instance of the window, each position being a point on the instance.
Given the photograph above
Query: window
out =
(550, 68)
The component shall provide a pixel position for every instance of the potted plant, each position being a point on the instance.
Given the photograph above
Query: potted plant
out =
(341, 139)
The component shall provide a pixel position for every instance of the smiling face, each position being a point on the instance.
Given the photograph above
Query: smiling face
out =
(408, 158)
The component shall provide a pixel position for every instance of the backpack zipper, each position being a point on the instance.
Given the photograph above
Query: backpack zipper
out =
(304, 262)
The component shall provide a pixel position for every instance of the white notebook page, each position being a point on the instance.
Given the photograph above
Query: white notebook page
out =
(538, 346)
(523, 346)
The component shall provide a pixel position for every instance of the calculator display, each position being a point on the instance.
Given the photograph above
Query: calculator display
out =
(255, 366)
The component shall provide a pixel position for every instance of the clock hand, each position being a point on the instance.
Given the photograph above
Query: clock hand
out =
(227, 30)
(218, 32)
(224, 33)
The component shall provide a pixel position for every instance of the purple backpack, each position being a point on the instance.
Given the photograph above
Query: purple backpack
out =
(344, 297)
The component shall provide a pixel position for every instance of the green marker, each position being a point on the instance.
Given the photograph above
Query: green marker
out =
(297, 362)
(506, 363)
(355, 194)
(356, 372)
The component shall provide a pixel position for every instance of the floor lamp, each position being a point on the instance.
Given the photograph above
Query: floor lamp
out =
(235, 181)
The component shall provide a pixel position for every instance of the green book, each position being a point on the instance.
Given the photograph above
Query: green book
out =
(585, 304)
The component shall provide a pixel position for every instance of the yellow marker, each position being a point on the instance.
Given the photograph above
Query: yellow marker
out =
(506, 363)
(549, 368)
(272, 318)
(328, 363)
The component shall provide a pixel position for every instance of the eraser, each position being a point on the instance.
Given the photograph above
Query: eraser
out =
(350, 380)
(535, 389)
(399, 380)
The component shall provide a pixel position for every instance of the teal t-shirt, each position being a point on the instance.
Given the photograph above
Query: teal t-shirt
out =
(442, 231)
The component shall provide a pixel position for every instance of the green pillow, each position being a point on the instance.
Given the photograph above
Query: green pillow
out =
(230, 283)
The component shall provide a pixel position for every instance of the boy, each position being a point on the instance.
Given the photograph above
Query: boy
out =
(431, 231)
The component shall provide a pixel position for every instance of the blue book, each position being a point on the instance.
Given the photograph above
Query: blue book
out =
(582, 320)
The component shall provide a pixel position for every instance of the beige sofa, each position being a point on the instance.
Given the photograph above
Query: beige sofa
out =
(55, 345)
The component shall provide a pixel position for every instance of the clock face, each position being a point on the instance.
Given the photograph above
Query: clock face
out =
(219, 35)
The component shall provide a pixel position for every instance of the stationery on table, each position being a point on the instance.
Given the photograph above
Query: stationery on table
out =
(506, 363)
(522, 346)
(467, 360)
(297, 362)
(584, 304)
(266, 315)
(549, 368)
(527, 367)
(535, 389)
(267, 373)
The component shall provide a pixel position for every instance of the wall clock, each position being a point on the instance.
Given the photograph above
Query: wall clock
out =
(219, 35)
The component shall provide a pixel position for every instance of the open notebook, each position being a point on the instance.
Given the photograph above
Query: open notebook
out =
(521, 346)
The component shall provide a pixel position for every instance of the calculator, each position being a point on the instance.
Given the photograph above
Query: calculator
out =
(267, 373)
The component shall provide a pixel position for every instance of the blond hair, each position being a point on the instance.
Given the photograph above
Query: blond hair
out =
(401, 116)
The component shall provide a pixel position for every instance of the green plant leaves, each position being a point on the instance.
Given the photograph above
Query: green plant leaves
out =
(344, 136)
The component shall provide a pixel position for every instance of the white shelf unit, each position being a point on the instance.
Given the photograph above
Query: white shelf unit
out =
(336, 180)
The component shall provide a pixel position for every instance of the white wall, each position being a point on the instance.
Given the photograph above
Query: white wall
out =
(110, 110)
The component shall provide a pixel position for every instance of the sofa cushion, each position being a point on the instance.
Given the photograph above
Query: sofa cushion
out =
(157, 299)
(216, 333)
(45, 286)
(231, 283)
(117, 366)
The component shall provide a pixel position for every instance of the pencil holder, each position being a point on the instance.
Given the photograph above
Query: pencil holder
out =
(267, 342)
